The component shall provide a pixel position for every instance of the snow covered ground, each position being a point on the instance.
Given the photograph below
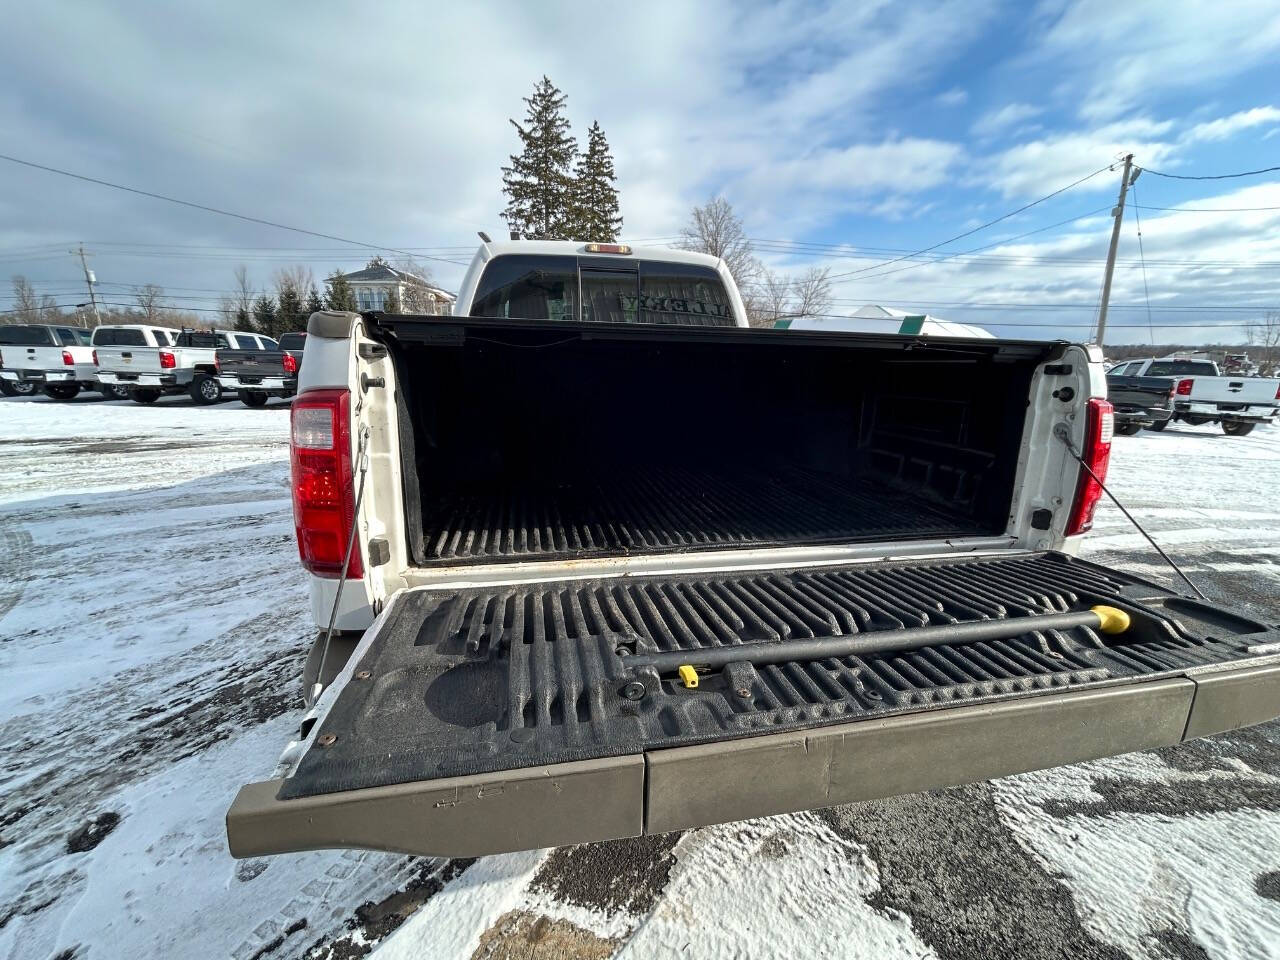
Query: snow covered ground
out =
(151, 636)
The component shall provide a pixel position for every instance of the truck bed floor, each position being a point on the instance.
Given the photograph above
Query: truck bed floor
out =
(679, 508)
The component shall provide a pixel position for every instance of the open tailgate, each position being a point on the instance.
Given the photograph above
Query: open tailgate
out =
(501, 718)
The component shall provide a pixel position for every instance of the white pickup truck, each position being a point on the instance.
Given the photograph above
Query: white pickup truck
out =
(1202, 395)
(604, 562)
(53, 358)
(188, 364)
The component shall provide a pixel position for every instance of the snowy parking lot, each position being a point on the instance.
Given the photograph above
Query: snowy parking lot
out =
(152, 630)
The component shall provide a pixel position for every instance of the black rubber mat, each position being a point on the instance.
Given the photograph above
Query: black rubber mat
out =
(460, 682)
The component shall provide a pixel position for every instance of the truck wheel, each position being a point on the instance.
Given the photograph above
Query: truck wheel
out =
(61, 391)
(1158, 425)
(144, 394)
(113, 391)
(205, 389)
(1128, 429)
(17, 388)
(1235, 429)
(253, 398)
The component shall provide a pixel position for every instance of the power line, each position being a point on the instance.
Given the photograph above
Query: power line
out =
(1146, 293)
(1212, 209)
(1220, 176)
(989, 223)
(207, 209)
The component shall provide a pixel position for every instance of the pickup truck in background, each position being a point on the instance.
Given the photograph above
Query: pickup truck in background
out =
(53, 358)
(126, 335)
(1139, 401)
(1201, 395)
(256, 374)
(589, 581)
(186, 365)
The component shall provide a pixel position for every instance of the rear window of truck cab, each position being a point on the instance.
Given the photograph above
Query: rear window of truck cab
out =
(602, 290)
(1181, 368)
(118, 337)
(25, 336)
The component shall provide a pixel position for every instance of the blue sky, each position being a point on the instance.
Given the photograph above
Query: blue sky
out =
(862, 131)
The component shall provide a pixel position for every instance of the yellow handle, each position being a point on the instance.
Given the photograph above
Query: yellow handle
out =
(1113, 619)
(689, 676)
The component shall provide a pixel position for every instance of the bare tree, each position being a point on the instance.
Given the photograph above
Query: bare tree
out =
(149, 297)
(715, 229)
(237, 307)
(26, 305)
(812, 292)
(50, 312)
(299, 276)
(417, 297)
(1265, 337)
(770, 300)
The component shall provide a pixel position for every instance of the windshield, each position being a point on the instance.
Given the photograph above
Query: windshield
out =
(1181, 368)
(603, 291)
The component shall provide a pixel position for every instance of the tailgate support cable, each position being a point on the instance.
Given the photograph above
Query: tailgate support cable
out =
(1065, 437)
(362, 456)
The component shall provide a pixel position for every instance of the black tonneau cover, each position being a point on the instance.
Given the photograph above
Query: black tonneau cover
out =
(502, 678)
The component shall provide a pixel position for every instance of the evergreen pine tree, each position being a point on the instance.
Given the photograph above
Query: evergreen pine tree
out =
(243, 320)
(264, 315)
(538, 182)
(392, 303)
(314, 303)
(289, 315)
(338, 294)
(595, 207)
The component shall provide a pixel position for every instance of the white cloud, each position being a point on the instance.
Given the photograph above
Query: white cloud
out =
(1117, 56)
(955, 97)
(1226, 127)
(1040, 166)
(1009, 115)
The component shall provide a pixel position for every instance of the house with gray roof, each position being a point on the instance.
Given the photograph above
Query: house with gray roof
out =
(373, 285)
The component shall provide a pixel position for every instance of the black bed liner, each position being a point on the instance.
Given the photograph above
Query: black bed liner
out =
(647, 510)
(499, 678)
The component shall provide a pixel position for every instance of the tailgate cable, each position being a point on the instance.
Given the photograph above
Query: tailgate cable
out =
(362, 457)
(1065, 437)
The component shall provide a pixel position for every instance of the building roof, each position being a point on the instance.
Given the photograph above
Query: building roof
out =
(383, 273)
(874, 318)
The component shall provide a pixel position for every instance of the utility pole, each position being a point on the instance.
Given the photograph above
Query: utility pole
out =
(89, 280)
(1118, 215)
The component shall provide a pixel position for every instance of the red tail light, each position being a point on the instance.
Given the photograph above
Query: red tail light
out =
(95, 357)
(290, 363)
(1277, 388)
(167, 360)
(323, 485)
(67, 360)
(1096, 453)
(1184, 388)
(217, 363)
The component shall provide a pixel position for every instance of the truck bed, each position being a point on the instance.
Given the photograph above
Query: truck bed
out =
(556, 440)
(457, 683)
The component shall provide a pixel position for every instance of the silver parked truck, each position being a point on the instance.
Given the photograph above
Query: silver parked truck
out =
(601, 561)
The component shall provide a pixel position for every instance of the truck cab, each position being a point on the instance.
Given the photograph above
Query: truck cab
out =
(590, 559)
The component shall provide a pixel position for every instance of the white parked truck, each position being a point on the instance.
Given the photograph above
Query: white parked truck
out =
(1202, 395)
(603, 562)
(187, 364)
(53, 358)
